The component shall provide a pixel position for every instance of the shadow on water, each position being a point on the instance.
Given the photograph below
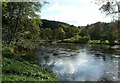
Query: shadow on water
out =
(81, 62)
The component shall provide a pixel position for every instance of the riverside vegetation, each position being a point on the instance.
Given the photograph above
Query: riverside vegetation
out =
(23, 29)
(20, 25)
(19, 68)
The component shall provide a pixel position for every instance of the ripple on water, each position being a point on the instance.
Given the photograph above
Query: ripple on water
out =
(81, 65)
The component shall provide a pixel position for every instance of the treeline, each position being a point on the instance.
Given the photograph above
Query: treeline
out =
(23, 26)
(100, 32)
(62, 32)
(108, 33)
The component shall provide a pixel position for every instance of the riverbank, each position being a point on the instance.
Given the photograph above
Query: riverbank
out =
(19, 68)
(104, 42)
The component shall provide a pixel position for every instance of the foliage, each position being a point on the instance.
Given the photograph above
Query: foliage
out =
(46, 34)
(95, 30)
(7, 52)
(112, 8)
(53, 24)
(104, 31)
(77, 39)
(69, 33)
(18, 69)
(59, 33)
(58, 30)
(20, 23)
(94, 41)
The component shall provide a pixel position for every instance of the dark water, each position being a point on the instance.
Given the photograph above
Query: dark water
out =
(81, 62)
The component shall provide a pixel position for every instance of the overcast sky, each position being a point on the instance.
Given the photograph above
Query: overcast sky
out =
(76, 12)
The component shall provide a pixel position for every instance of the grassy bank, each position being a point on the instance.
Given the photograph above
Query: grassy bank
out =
(17, 68)
(115, 42)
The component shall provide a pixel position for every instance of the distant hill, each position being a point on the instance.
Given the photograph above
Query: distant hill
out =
(53, 24)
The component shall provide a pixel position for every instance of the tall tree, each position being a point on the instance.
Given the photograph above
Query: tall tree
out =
(46, 34)
(19, 20)
(60, 33)
(111, 7)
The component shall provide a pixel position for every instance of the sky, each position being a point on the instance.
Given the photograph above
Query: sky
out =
(75, 12)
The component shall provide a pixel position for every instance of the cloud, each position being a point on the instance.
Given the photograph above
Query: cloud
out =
(53, 7)
(77, 12)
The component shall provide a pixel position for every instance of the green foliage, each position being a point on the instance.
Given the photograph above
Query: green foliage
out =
(19, 70)
(68, 33)
(71, 31)
(105, 42)
(7, 52)
(102, 42)
(59, 33)
(112, 8)
(20, 23)
(78, 39)
(94, 41)
(103, 32)
(95, 30)
(85, 39)
(53, 24)
(46, 34)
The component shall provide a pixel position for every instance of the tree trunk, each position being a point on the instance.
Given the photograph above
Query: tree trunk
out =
(15, 26)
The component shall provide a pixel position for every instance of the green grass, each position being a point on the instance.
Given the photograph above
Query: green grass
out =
(19, 69)
(103, 42)
(77, 39)
(14, 70)
(94, 41)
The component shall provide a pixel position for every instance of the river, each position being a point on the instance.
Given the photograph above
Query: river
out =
(80, 62)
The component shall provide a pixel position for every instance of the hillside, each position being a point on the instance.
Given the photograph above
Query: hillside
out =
(53, 24)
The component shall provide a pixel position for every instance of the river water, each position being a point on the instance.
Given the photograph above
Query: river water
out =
(80, 62)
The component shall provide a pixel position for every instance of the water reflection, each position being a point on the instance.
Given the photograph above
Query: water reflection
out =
(84, 65)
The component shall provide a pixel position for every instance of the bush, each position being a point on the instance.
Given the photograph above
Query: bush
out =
(7, 52)
(94, 41)
(105, 42)
(77, 39)
(84, 39)
(15, 70)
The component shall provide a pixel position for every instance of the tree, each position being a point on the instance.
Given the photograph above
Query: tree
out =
(95, 30)
(20, 22)
(71, 31)
(46, 34)
(59, 33)
(111, 8)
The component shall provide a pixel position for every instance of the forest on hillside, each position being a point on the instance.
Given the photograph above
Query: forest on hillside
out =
(104, 33)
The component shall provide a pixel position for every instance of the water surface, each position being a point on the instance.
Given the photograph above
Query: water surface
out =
(81, 62)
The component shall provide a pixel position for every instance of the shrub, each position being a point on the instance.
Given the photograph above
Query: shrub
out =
(79, 39)
(84, 39)
(7, 52)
